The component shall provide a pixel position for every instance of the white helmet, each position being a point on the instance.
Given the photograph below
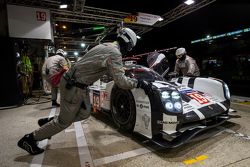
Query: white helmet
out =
(128, 36)
(61, 52)
(180, 52)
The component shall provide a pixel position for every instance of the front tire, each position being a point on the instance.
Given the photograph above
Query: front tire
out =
(123, 109)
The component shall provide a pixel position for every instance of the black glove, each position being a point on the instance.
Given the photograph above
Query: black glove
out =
(146, 86)
(189, 75)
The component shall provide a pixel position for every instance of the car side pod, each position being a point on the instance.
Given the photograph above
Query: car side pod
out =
(188, 135)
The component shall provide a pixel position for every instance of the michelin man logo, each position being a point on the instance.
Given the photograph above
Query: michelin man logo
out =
(146, 120)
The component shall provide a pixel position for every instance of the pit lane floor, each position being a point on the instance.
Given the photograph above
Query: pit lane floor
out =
(97, 142)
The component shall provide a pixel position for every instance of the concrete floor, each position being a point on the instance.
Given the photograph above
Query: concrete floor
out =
(105, 146)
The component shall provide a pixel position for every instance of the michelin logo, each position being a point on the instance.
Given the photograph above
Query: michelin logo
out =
(167, 122)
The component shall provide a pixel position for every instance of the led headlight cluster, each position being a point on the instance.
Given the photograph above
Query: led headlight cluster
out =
(227, 92)
(171, 100)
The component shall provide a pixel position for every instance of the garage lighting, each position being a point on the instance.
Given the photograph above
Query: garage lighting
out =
(64, 27)
(76, 53)
(160, 19)
(83, 45)
(233, 33)
(189, 2)
(208, 36)
(64, 6)
(98, 28)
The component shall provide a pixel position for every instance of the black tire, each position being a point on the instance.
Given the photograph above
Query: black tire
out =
(123, 109)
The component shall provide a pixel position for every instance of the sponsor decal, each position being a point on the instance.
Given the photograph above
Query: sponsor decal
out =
(199, 98)
(141, 106)
(185, 90)
(96, 100)
(167, 122)
(104, 96)
(146, 120)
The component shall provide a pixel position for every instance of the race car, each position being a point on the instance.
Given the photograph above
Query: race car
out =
(175, 112)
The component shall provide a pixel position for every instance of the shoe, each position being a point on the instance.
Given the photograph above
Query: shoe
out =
(28, 143)
(55, 104)
(43, 121)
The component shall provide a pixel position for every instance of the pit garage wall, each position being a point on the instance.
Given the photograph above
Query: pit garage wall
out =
(3, 18)
(9, 89)
(229, 60)
(9, 94)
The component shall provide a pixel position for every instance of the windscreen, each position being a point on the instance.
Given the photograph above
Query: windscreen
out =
(140, 72)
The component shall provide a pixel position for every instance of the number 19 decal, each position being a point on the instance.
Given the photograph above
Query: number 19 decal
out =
(196, 96)
(40, 16)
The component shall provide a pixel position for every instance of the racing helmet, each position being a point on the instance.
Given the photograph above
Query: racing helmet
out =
(61, 52)
(180, 52)
(128, 36)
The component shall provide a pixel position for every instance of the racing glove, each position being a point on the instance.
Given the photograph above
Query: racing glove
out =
(146, 86)
(189, 74)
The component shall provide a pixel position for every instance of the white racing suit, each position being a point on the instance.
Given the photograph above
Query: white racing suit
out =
(51, 66)
(102, 59)
(187, 66)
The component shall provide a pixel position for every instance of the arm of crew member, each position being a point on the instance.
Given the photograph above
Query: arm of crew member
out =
(191, 67)
(63, 63)
(115, 67)
(176, 68)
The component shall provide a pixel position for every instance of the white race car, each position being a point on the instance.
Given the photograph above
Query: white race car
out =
(174, 113)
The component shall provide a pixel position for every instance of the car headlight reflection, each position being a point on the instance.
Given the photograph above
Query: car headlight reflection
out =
(169, 106)
(165, 95)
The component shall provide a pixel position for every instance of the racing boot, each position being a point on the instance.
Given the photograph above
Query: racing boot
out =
(55, 104)
(28, 143)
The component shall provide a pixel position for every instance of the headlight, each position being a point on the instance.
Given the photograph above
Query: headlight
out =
(169, 106)
(165, 95)
(171, 100)
(175, 95)
(178, 106)
(227, 92)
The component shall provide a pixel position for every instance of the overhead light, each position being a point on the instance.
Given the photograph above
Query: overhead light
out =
(98, 28)
(189, 2)
(76, 53)
(83, 45)
(160, 19)
(56, 24)
(138, 37)
(208, 36)
(64, 47)
(64, 6)
(64, 27)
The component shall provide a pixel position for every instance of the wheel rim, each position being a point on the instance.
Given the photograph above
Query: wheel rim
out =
(122, 108)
